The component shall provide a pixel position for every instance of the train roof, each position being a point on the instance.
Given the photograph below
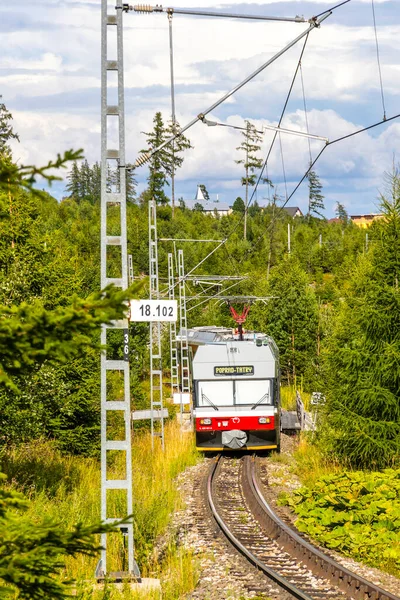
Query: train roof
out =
(201, 336)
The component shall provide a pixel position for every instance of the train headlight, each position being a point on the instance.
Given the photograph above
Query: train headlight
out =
(205, 421)
(264, 420)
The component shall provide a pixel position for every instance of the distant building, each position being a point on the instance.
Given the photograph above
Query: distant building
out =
(293, 211)
(210, 207)
(365, 221)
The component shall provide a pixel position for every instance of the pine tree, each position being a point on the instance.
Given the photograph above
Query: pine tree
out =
(238, 205)
(205, 192)
(6, 131)
(363, 357)
(315, 198)
(74, 182)
(290, 317)
(160, 164)
(250, 146)
(174, 151)
(341, 212)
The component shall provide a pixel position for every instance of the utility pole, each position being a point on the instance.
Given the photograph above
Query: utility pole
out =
(156, 375)
(173, 115)
(115, 195)
(184, 347)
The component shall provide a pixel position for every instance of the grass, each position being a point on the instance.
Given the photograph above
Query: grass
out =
(310, 464)
(288, 396)
(67, 490)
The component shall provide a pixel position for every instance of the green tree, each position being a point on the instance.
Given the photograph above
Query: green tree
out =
(362, 360)
(341, 212)
(31, 554)
(6, 130)
(290, 317)
(174, 153)
(205, 192)
(315, 198)
(251, 162)
(238, 205)
(198, 207)
(160, 163)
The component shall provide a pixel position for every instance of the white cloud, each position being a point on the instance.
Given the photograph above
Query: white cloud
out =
(50, 80)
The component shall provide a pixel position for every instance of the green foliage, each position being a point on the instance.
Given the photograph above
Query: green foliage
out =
(290, 317)
(84, 182)
(32, 554)
(205, 192)
(14, 177)
(164, 163)
(238, 205)
(355, 513)
(315, 197)
(362, 357)
(6, 131)
(30, 335)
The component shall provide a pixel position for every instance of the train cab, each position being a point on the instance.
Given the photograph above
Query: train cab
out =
(236, 404)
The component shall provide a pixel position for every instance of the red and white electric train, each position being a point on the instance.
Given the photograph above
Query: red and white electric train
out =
(235, 383)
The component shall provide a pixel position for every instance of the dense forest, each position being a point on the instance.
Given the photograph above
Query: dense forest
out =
(332, 302)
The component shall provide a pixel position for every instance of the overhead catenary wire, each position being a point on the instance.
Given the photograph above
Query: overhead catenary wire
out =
(340, 139)
(315, 23)
(378, 60)
(327, 13)
(283, 165)
(305, 109)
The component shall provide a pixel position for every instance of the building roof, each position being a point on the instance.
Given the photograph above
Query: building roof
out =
(293, 211)
(208, 205)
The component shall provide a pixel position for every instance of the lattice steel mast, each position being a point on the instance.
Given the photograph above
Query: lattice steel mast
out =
(156, 378)
(172, 331)
(114, 195)
(184, 347)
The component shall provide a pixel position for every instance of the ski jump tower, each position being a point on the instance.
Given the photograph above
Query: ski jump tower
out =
(114, 247)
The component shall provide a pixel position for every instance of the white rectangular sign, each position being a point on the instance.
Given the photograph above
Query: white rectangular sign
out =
(154, 310)
(183, 398)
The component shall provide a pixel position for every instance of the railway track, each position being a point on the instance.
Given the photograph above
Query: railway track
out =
(242, 513)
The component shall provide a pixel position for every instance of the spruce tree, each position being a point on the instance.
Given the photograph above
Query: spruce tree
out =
(74, 182)
(362, 361)
(341, 212)
(315, 198)
(251, 162)
(174, 153)
(205, 192)
(238, 205)
(162, 164)
(290, 317)
(6, 131)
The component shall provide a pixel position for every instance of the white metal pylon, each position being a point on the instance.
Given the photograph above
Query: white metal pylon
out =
(114, 194)
(184, 347)
(172, 331)
(156, 378)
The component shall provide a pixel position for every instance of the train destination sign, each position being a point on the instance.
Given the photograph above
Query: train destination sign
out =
(234, 370)
(154, 310)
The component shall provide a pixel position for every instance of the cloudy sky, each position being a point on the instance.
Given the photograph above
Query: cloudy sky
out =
(50, 81)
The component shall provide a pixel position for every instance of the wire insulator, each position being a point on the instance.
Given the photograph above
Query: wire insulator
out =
(142, 159)
(147, 8)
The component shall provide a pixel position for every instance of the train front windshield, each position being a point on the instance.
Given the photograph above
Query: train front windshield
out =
(257, 392)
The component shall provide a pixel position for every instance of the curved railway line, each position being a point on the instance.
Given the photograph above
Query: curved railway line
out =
(251, 526)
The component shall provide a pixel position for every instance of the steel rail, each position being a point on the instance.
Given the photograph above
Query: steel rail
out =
(348, 581)
(284, 583)
(318, 562)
